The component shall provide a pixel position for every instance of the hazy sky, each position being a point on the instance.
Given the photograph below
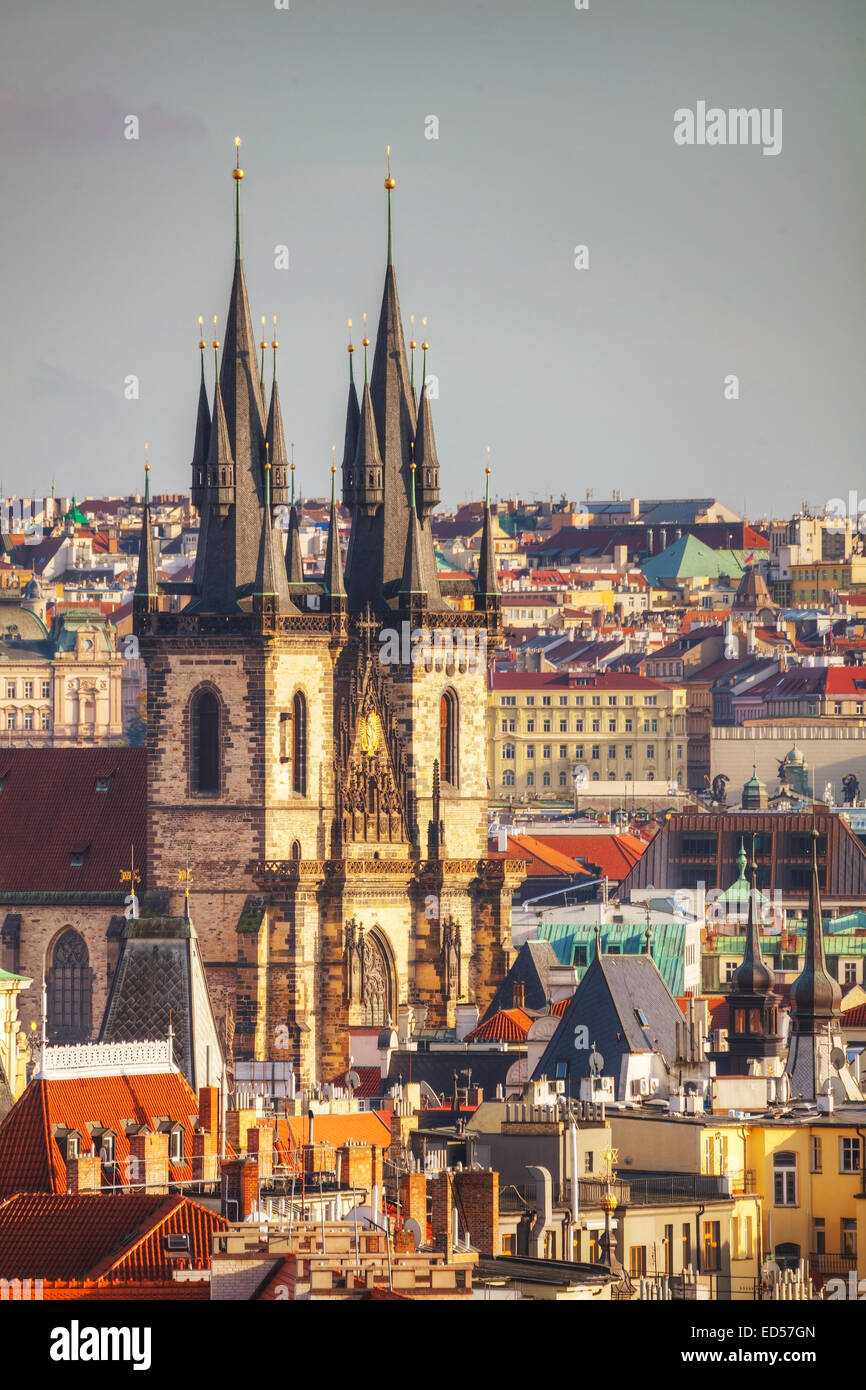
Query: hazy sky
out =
(555, 129)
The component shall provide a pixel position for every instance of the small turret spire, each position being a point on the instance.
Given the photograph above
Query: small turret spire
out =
(263, 345)
(294, 563)
(333, 576)
(366, 343)
(146, 597)
(412, 347)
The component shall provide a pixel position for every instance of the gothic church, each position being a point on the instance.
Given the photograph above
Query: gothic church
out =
(332, 805)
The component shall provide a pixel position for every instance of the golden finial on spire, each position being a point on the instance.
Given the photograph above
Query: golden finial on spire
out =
(274, 344)
(216, 346)
(237, 171)
(215, 339)
(263, 344)
(351, 346)
(424, 345)
(202, 344)
(292, 464)
(147, 458)
(412, 342)
(389, 182)
(365, 340)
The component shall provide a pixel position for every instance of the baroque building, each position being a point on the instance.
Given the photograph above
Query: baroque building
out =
(316, 746)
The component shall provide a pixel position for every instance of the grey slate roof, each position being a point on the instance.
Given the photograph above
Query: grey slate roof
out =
(531, 968)
(605, 1002)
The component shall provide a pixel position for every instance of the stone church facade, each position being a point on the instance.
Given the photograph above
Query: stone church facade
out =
(317, 747)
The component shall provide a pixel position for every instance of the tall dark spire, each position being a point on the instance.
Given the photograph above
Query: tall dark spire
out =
(487, 581)
(202, 434)
(350, 443)
(146, 597)
(753, 976)
(334, 586)
(294, 562)
(815, 995)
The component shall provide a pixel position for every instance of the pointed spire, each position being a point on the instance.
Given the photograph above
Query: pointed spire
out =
(487, 581)
(425, 456)
(202, 432)
(815, 995)
(237, 175)
(275, 439)
(271, 580)
(412, 585)
(334, 585)
(294, 562)
(741, 861)
(146, 597)
(350, 443)
(753, 976)
(368, 461)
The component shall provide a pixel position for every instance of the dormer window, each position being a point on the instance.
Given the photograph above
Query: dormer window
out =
(175, 1145)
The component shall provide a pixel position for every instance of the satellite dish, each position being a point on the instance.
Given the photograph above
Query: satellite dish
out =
(412, 1228)
(838, 1058)
(580, 774)
(596, 1061)
(353, 1080)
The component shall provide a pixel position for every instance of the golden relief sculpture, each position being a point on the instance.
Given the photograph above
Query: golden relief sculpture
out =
(370, 731)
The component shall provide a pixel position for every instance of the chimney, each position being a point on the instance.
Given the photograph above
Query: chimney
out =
(477, 1197)
(260, 1146)
(518, 994)
(209, 1108)
(413, 1200)
(442, 1214)
(148, 1162)
(634, 508)
(466, 1018)
(84, 1174)
(239, 1188)
(205, 1161)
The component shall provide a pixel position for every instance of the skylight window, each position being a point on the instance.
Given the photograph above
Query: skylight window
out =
(641, 1018)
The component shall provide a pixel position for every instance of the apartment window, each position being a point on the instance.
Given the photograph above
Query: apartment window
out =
(505, 726)
(562, 779)
(785, 1179)
(651, 726)
(596, 751)
(596, 726)
(816, 1153)
(687, 1244)
(850, 972)
(10, 719)
(46, 721)
(652, 700)
(508, 700)
(545, 750)
(628, 777)
(588, 1161)
(11, 690)
(730, 972)
(712, 1246)
(611, 726)
(629, 699)
(545, 781)
(650, 751)
(175, 1146)
(611, 699)
(849, 1155)
(507, 750)
(530, 750)
(849, 1237)
(629, 726)
(668, 1246)
(46, 690)
(578, 699)
(578, 726)
(819, 1235)
(509, 1244)
(637, 1261)
(28, 690)
(545, 699)
(679, 750)
(530, 726)
(563, 750)
(578, 750)
(530, 779)
(530, 699)
(545, 727)
(837, 706)
(629, 750)
(596, 700)
(28, 719)
(611, 750)
(563, 699)
(563, 726)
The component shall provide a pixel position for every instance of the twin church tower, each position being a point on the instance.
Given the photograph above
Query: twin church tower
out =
(332, 804)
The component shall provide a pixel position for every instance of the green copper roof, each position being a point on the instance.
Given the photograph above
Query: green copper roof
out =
(689, 558)
(668, 945)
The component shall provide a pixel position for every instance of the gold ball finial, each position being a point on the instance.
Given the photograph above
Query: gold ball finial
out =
(412, 467)
(292, 467)
(389, 182)
(267, 467)
(333, 468)
(237, 172)
(487, 470)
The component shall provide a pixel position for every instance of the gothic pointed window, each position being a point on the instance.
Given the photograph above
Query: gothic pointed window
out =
(205, 723)
(448, 738)
(70, 990)
(299, 743)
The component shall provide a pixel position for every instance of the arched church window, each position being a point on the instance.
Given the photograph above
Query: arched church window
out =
(70, 990)
(296, 849)
(205, 722)
(299, 743)
(375, 985)
(448, 738)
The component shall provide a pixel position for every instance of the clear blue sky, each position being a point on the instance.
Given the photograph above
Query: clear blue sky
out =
(555, 129)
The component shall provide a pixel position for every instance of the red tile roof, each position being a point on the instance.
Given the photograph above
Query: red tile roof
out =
(543, 857)
(559, 1006)
(361, 1127)
(31, 1159)
(508, 1025)
(370, 1077)
(86, 1235)
(49, 806)
(853, 1018)
(614, 854)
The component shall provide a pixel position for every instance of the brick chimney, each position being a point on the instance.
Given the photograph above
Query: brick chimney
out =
(442, 1213)
(84, 1174)
(356, 1166)
(413, 1199)
(209, 1108)
(478, 1201)
(205, 1159)
(148, 1162)
(239, 1187)
(260, 1146)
